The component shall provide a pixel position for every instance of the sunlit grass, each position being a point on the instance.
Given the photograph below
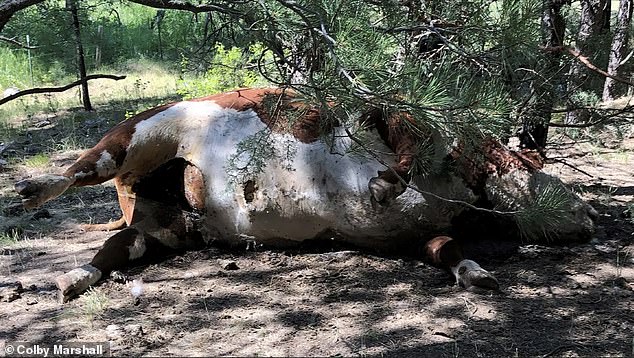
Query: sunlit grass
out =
(10, 238)
(144, 79)
(37, 161)
(93, 303)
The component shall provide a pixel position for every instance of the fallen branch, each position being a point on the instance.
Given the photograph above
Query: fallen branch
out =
(583, 59)
(222, 8)
(17, 43)
(57, 89)
(558, 160)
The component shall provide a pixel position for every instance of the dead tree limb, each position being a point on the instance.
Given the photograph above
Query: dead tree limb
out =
(583, 59)
(222, 8)
(15, 42)
(57, 89)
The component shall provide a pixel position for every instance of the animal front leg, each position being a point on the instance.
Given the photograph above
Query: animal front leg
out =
(445, 252)
(96, 165)
(37, 191)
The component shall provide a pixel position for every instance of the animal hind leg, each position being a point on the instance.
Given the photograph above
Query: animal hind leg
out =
(391, 183)
(155, 228)
(114, 225)
(116, 253)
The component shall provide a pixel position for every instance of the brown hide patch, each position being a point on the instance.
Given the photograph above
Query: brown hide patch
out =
(127, 198)
(493, 159)
(194, 187)
(115, 142)
(393, 129)
(279, 109)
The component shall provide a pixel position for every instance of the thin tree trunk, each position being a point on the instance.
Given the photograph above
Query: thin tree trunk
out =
(592, 24)
(98, 47)
(81, 64)
(534, 131)
(618, 49)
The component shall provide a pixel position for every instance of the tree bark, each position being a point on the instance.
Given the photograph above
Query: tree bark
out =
(618, 48)
(534, 131)
(10, 7)
(592, 25)
(81, 64)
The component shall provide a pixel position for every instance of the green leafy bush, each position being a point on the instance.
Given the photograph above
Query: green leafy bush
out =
(231, 68)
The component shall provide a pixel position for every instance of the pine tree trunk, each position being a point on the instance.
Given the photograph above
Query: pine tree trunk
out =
(81, 64)
(592, 25)
(534, 131)
(617, 51)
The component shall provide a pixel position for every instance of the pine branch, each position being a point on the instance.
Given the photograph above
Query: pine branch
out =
(322, 31)
(57, 89)
(424, 192)
(603, 119)
(559, 160)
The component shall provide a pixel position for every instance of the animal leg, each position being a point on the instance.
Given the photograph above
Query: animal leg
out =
(444, 252)
(116, 253)
(37, 191)
(94, 166)
(115, 225)
(389, 184)
(155, 228)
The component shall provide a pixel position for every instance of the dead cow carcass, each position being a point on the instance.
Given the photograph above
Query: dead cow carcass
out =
(256, 165)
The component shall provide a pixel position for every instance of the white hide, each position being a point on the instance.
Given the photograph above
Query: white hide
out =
(303, 190)
(105, 166)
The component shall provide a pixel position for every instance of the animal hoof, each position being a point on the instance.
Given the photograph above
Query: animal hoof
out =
(37, 191)
(73, 283)
(471, 276)
(118, 277)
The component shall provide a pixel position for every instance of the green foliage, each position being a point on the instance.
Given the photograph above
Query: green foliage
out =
(10, 238)
(231, 68)
(37, 161)
(92, 304)
(585, 98)
(542, 217)
(119, 31)
(251, 156)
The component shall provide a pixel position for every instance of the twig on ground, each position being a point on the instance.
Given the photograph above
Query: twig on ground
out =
(557, 160)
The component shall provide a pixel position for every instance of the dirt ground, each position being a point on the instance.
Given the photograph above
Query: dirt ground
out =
(573, 301)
